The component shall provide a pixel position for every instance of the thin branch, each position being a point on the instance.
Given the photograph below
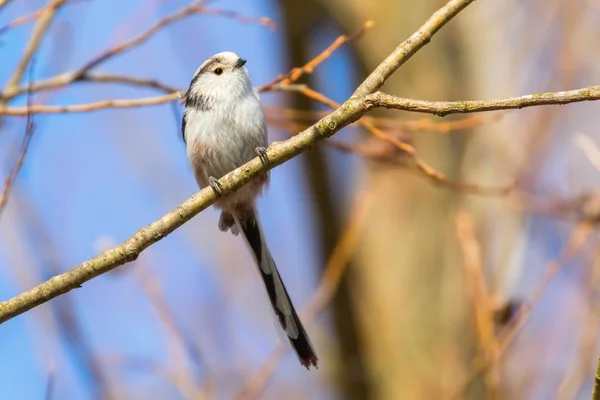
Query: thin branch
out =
(419, 124)
(29, 129)
(64, 79)
(435, 176)
(25, 18)
(308, 68)
(21, 20)
(99, 105)
(277, 154)
(480, 297)
(39, 31)
(442, 108)
(387, 151)
(195, 8)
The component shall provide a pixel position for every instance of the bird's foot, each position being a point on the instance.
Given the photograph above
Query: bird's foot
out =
(215, 185)
(262, 154)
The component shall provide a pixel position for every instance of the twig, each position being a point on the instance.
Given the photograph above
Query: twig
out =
(25, 18)
(425, 123)
(21, 20)
(308, 68)
(99, 105)
(29, 129)
(435, 176)
(442, 108)
(62, 80)
(386, 151)
(480, 298)
(195, 8)
(39, 31)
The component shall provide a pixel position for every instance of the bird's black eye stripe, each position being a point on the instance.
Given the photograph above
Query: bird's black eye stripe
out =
(218, 70)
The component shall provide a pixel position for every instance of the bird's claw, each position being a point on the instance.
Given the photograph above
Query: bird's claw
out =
(215, 185)
(262, 154)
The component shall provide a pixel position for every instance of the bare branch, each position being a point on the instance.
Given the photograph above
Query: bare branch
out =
(99, 105)
(435, 176)
(443, 108)
(25, 18)
(34, 41)
(308, 68)
(419, 124)
(64, 79)
(29, 128)
(195, 8)
(21, 20)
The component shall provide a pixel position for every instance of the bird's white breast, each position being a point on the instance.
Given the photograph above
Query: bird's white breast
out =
(224, 137)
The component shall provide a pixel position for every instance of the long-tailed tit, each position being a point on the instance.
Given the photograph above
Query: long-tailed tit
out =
(223, 128)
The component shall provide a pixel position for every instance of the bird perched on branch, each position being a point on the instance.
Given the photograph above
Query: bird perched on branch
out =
(224, 127)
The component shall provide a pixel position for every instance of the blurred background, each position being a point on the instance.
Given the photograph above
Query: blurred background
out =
(482, 285)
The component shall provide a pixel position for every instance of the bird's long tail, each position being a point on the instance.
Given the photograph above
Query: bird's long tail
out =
(249, 225)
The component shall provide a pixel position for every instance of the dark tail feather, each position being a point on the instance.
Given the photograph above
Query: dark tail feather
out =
(280, 300)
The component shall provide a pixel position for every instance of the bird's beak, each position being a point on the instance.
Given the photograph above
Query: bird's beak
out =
(240, 63)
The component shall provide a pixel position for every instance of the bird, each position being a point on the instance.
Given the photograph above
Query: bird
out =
(224, 127)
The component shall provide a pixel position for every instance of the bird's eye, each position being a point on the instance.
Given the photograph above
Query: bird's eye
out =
(218, 70)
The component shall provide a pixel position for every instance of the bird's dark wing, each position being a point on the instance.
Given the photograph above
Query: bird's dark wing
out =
(183, 121)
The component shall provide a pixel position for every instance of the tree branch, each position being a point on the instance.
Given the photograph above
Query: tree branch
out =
(34, 42)
(66, 78)
(195, 8)
(12, 90)
(25, 18)
(277, 153)
(99, 105)
(442, 108)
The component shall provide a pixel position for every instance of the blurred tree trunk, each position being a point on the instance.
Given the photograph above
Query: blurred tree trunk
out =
(407, 285)
(301, 18)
